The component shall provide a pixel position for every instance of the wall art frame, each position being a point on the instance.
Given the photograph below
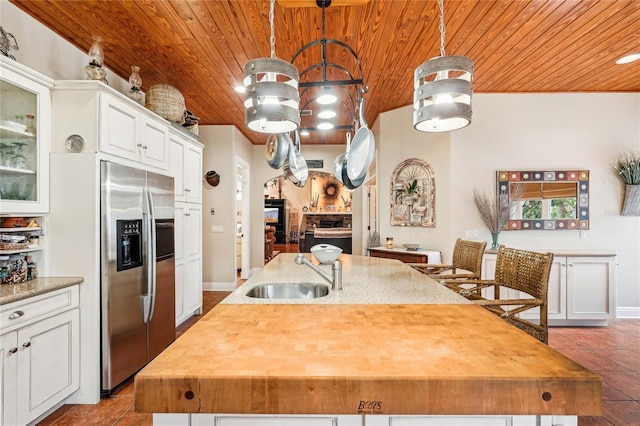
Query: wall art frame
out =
(413, 194)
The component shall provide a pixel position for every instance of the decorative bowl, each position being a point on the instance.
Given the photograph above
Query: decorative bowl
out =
(411, 247)
(326, 253)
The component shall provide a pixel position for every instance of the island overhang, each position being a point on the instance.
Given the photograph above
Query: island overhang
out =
(363, 359)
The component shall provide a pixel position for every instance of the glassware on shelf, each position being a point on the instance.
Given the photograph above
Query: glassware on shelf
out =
(94, 70)
(6, 155)
(31, 124)
(19, 161)
(136, 82)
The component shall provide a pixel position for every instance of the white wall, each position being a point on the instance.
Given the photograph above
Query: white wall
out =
(524, 132)
(222, 145)
(44, 51)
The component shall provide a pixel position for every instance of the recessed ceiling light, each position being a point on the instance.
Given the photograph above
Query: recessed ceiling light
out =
(304, 133)
(325, 126)
(239, 89)
(327, 113)
(628, 58)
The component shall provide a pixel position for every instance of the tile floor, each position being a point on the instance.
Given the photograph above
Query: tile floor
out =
(613, 352)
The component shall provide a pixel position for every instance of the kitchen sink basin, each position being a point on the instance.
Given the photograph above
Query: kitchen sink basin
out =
(289, 291)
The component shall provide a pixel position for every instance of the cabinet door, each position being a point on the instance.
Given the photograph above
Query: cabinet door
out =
(119, 128)
(176, 167)
(192, 286)
(180, 293)
(556, 293)
(193, 230)
(48, 364)
(155, 143)
(590, 287)
(193, 173)
(179, 231)
(25, 137)
(8, 377)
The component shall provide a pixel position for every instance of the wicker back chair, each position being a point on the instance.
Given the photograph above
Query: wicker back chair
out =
(523, 271)
(466, 262)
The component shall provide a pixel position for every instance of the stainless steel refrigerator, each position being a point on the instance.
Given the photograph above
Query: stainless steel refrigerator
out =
(137, 270)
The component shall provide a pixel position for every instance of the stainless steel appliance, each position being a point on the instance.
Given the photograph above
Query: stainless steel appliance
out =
(137, 270)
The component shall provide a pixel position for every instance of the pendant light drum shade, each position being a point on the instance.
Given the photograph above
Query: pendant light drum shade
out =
(442, 96)
(272, 97)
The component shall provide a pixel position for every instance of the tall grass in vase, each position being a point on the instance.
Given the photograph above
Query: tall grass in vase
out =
(495, 214)
(627, 167)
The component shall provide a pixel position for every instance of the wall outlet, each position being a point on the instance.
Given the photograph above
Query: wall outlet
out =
(471, 234)
(213, 212)
(216, 229)
(584, 234)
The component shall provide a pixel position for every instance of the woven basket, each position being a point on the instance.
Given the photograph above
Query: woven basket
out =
(166, 101)
(631, 206)
(13, 246)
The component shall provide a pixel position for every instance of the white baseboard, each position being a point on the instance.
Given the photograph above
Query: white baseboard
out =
(628, 312)
(209, 286)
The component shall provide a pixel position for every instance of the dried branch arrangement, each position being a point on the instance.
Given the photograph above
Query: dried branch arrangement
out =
(494, 214)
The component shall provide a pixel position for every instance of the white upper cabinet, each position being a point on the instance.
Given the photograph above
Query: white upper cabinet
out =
(25, 137)
(109, 123)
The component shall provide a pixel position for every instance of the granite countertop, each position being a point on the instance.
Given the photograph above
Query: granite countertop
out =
(14, 292)
(365, 280)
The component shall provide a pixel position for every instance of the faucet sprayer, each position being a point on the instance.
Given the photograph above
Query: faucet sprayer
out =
(335, 279)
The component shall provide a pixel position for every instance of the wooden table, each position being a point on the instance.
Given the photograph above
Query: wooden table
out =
(406, 256)
(315, 359)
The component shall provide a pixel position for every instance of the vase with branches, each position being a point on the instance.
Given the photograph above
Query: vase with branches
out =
(494, 213)
(627, 167)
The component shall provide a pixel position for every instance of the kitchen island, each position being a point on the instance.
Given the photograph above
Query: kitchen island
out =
(357, 359)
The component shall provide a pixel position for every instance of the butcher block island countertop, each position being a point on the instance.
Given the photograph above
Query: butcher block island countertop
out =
(404, 358)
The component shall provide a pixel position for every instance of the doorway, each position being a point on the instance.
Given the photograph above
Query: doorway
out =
(242, 218)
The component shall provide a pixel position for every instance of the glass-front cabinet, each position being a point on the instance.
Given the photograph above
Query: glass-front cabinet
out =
(25, 138)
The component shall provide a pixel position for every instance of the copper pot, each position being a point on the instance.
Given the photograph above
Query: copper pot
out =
(212, 178)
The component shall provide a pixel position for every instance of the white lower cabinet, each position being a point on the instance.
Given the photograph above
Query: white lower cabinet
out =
(188, 257)
(358, 420)
(581, 289)
(40, 352)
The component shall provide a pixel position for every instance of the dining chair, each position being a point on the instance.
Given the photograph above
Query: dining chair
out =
(524, 277)
(466, 263)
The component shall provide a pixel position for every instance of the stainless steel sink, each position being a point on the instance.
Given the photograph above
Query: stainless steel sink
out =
(289, 291)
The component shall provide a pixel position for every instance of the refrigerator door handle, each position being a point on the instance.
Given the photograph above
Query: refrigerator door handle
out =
(152, 254)
(146, 230)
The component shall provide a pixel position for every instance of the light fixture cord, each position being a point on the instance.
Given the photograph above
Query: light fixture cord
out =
(272, 40)
(442, 29)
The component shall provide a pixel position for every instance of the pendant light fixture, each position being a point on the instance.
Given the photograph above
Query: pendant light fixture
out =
(442, 96)
(271, 91)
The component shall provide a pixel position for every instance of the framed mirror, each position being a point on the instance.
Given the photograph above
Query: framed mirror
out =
(546, 200)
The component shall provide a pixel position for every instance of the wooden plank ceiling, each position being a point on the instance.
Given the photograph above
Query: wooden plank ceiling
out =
(200, 46)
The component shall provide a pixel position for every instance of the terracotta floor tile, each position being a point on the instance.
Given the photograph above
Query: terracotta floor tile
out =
(624, 381)
(628, 326)
(606, 339)
(590, 359)
(622, 413)
(626, 358)
(612, 394)
(593, 421)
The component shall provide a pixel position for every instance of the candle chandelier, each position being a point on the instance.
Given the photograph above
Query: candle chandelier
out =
(271, 91)
(442, 96)
(330, 89)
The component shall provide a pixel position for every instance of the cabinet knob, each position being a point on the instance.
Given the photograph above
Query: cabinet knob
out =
(13, 350)
(144, 147)
(139, 145)
(187, 190)
(26, 345)
(16, 314)
(187, 214)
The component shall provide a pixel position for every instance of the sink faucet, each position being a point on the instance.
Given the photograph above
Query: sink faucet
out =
(335, 280)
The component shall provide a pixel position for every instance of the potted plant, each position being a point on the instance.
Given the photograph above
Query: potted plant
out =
(627, 167)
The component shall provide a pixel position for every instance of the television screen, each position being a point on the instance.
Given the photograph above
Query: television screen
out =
(270, 215)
